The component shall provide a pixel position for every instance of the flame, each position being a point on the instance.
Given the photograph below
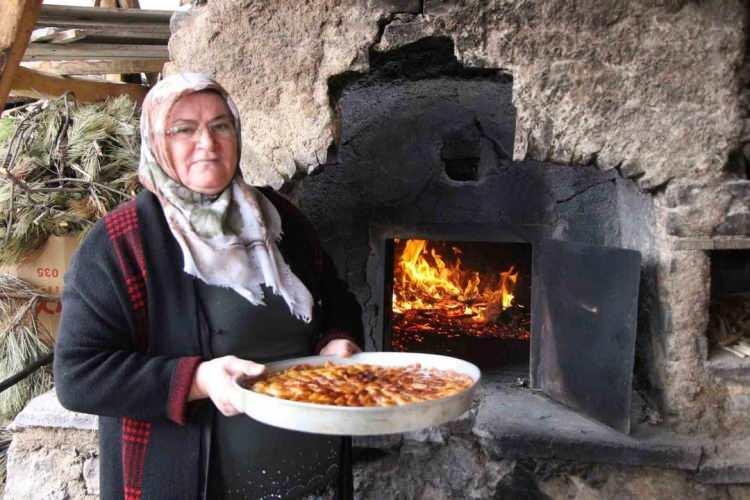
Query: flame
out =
(424, 281)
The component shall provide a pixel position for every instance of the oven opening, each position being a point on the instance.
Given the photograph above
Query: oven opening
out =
(466, 299)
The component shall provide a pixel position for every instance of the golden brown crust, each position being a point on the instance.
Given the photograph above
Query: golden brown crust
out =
(362, 384)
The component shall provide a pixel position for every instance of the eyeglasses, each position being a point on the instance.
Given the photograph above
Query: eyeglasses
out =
(187, 131)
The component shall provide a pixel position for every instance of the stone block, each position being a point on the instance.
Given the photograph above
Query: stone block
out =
(693, 244)
(384, 442)
(465, 423)
(428, 435)
(439, 7)
(604, 482)
(683, 194)
(730, 465)
(45, 411)
(739, 189)
(674, 225)
(403, 31)
(457, 469)
(48, 463)
(401, 6)
(91, 475)
(737, 224)
(731, 243)
(746, 151)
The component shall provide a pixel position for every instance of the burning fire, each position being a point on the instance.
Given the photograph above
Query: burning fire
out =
(424, 282)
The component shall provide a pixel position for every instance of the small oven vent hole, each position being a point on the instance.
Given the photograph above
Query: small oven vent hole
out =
(461, 154)
(462, 169)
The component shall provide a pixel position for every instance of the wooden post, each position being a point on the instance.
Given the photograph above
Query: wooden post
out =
(16, 25)
(122, 4)
(113, 4)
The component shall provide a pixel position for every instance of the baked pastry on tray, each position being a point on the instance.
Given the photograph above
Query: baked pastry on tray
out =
(361, 384)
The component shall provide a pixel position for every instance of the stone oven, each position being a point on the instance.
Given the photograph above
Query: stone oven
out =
(592, 150)
(589, 159)
(600, 142)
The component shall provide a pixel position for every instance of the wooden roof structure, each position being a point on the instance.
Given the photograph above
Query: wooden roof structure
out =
(41, 45)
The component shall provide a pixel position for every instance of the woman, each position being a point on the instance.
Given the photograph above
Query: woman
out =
(199, 280)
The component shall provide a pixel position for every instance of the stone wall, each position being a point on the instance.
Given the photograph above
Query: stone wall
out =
(54, 454)
(655, 91)
(458, 468)
(649, 87)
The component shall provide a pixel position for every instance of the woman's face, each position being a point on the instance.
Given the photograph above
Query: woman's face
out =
(202, 142)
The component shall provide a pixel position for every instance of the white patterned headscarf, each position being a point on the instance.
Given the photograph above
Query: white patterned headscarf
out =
(230, 239)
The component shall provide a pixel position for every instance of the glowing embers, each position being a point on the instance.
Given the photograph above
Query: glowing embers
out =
(444, 291)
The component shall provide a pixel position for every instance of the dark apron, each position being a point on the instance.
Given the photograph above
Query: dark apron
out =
(249, 459)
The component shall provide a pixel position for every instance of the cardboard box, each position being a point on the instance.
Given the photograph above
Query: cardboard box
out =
(45, 269)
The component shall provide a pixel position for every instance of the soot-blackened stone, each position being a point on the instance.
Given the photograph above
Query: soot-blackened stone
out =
(735, 225)
(461, 153)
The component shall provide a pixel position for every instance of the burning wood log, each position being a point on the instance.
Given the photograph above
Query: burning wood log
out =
(434, 294)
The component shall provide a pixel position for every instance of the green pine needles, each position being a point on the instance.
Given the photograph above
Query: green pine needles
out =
(23, 340)
(64, 165)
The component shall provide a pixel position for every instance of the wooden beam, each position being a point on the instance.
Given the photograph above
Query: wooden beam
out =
(132, 24)
(51, 14)
(28, 82)
(148, 32)
(49, 52)
(74, 22)
(100, 24)
(112, 34)
(16, 25)
(97, 66)
(129, 4)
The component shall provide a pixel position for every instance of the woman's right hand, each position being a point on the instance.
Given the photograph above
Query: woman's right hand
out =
(213, 379)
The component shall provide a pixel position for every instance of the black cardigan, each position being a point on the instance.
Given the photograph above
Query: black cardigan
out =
(139, 386)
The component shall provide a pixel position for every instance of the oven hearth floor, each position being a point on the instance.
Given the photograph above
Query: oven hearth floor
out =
(512, 421)
(516, 421)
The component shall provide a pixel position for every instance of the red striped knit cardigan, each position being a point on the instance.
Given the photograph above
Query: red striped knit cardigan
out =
(132, 335)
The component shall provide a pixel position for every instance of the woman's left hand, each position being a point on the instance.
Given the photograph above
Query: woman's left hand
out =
(342, 348)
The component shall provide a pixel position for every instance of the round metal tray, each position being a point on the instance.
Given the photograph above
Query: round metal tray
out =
(359, 421)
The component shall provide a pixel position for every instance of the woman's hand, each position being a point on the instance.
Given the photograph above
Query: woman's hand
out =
(342, 348)
(213, 379)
